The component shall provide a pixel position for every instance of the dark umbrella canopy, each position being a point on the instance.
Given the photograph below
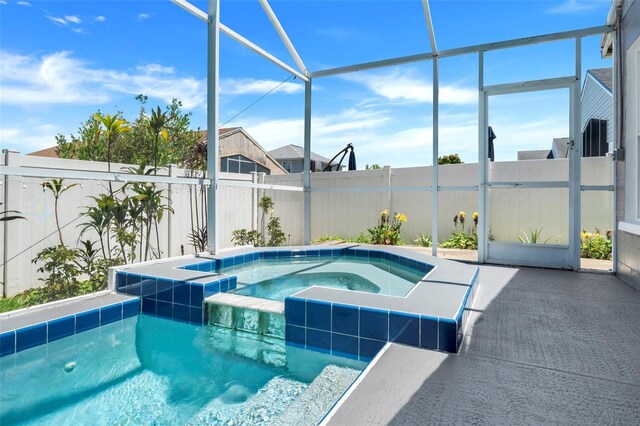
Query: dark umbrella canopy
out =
(352, 160)
(492, 136)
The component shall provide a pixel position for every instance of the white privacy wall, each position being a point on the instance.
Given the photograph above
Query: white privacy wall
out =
(511, 210)
(333, 213)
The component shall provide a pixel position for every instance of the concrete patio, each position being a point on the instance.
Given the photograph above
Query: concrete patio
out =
(543, 347)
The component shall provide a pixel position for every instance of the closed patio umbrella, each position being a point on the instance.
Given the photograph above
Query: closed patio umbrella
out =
(492, 136)
(352, 159)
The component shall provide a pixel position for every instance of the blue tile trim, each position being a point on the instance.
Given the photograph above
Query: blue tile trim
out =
(370, 348)
(87, 320)
(111, 313)
(131, 308)
(180, 313)
(345, 319)
(447, 335)
(295, 335)
(318, 315)
(404, 328)
(7, 343)
(295, 311)
(61, 327)
(319, 340)
(28, 337)
(374, 324)
(196, 316)
(38, 334)
(346, 346)
(428, 332)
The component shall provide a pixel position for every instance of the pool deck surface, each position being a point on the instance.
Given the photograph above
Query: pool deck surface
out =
(42, 313)
(543, 347)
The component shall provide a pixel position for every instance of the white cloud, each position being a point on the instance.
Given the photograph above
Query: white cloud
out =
(73, 18)
(156, 69)
(6, 133)
(58, 21)
(23, 3)
(78, 30)
(143, 16)
(408, 86)
(248, 86)
(100, 18)
(330, 132)
(3, 2)
(570, 7)
(29, 137)
(59, 78)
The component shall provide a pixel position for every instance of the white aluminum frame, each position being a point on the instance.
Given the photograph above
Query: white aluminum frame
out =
(572, 82)
(559, 256)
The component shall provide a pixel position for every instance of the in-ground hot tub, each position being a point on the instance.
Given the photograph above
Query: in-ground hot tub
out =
(344, 321)
(280, 277)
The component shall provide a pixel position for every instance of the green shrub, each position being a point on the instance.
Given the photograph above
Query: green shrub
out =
(595, 246)
(424, 240)
(461, 240)
(277, 237)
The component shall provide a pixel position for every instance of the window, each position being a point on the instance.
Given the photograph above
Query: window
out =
(287, 166)
(594, 139)
(241, 164)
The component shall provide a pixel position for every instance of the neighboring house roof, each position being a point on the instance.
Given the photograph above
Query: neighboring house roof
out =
(295, 152)
(226, 150)
(536, 154)
(51, 152)
(603, 76)
(560, 147)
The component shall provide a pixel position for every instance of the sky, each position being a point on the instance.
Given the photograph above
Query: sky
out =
(61, 61)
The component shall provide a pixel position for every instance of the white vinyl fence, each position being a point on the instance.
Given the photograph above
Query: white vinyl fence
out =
(343, 203)
(334, 211)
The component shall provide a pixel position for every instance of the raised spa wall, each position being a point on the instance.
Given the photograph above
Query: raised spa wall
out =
(433, 315)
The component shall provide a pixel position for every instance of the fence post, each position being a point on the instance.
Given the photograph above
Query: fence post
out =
(254, 202)
(172, 173)
(386, 182)
(261, 177)
(12, 159)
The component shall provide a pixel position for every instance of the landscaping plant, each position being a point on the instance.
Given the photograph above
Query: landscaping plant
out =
(461, 238)
(388, 229)
(424, 240)
(595, 246)
(534, 237)
(256, 238)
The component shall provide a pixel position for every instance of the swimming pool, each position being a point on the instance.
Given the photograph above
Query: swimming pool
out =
(147, 370)
(278, 278)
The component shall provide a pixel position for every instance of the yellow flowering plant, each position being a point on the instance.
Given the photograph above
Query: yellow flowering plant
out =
(388, 229)
(461, 239)
(594, 245)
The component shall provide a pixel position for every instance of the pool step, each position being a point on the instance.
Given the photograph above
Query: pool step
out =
(263, 408)
(250, 314)
(318, 398)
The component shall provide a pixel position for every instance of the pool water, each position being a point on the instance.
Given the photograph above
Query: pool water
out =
(278, 278)
(146, 370)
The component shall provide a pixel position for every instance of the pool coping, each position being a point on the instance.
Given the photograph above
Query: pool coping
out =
(30, 327)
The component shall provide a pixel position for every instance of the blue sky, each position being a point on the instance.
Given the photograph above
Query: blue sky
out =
(60, 61)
